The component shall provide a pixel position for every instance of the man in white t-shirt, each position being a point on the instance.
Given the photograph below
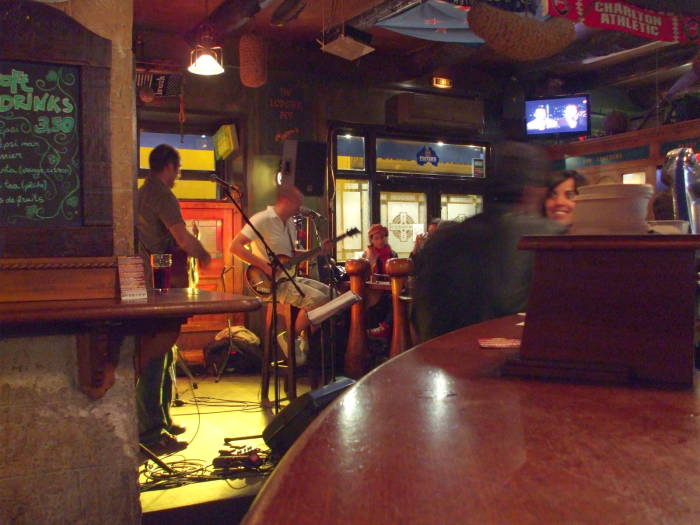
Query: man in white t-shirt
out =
(275, 224)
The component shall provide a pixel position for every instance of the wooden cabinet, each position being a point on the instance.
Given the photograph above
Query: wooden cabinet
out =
(215, 223)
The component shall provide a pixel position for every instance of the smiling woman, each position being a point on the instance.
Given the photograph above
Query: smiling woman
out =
(562, 187)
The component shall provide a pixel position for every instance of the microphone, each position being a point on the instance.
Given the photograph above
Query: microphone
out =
(308, 212)
(234, 187)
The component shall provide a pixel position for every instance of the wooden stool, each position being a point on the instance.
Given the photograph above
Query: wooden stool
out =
(399, 270)
(357, 351)
(286, 317)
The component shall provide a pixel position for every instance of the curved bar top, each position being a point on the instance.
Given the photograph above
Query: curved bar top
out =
(178, 302)
(435, 436)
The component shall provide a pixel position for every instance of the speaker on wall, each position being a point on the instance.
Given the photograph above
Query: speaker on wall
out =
(305, 165)
(295, 417)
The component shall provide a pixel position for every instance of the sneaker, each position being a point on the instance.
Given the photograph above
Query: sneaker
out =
(165, 444)
(300, 347)
(176, 429)
(381, 331)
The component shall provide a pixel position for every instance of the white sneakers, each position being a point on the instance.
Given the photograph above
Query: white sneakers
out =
(301, 347)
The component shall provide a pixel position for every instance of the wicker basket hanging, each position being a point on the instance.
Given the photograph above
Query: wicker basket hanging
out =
(253, 59)
(519, 37)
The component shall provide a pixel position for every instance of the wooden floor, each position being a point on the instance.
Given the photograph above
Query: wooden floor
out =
(211, 412)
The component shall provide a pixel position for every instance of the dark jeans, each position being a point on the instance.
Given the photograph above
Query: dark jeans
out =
(154, 392)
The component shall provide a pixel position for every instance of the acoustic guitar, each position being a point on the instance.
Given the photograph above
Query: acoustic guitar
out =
(261, 284)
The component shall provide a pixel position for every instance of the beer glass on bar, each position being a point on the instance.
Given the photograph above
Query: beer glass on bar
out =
(161, 263)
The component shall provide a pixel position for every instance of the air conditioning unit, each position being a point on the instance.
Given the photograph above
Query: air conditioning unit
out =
(412, 110)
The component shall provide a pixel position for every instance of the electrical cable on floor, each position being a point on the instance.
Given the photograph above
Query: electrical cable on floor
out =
(237, 463)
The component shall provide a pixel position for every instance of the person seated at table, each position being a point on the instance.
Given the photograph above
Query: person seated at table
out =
(473, 271)
(378, 253)
(559, 203)
(422, 237)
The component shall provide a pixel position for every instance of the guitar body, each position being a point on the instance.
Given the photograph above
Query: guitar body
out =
(260, 283)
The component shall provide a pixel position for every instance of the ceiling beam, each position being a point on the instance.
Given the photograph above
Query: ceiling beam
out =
(228, 17)
(665, 63)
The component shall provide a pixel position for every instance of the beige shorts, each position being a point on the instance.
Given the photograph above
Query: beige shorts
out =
(315, 293)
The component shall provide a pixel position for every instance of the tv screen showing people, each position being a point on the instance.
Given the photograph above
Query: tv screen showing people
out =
(557, 115)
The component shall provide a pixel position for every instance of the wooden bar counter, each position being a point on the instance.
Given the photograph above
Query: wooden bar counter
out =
(178, 302)
(101, 324)
(435, 436)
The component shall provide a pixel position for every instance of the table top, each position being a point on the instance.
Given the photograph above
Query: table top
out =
(383, 286)
(436, 436)
(177, 302)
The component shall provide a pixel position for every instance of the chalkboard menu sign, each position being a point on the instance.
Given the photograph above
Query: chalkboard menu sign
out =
(40, 165)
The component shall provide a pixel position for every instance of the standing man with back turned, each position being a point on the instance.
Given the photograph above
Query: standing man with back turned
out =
(161, 229)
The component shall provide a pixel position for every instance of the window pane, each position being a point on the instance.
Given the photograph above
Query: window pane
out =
(350, 152)
(455, 207)
(405, 215)
(352, 210)
(430, 158)
(196, 151)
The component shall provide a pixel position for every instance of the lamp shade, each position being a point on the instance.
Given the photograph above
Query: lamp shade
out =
(520, 37)
(206, 60)
(253, 60)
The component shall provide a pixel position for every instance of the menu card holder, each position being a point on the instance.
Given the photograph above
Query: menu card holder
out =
(615, 309)
(132, 282)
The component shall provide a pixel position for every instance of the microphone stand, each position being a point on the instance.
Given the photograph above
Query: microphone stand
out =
(276, 264)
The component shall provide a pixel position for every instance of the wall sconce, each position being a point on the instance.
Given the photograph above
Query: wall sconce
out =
(206, 58)
(282, 172)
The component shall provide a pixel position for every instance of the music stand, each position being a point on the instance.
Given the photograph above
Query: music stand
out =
(333, 292)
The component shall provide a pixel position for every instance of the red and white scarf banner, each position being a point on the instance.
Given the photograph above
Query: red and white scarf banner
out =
(617, 15)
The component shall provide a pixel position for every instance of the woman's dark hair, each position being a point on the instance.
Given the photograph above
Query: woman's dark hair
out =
(557, 177)
(161, 156)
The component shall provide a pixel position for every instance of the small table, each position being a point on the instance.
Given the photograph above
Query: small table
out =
(374, 291)
(102, 323)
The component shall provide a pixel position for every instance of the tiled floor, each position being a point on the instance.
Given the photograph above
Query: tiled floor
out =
(211, 412)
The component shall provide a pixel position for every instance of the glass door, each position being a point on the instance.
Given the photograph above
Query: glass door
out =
(405, 214)
(458, 206)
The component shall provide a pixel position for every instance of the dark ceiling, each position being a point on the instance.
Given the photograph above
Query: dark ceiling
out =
(643, 68)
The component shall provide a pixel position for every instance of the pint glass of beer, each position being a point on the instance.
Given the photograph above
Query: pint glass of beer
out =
(162, 264)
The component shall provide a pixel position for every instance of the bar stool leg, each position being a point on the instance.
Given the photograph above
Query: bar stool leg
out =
(267, 348)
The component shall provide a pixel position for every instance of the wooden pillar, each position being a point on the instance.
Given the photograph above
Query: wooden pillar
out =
(357, 350)
(399, 270)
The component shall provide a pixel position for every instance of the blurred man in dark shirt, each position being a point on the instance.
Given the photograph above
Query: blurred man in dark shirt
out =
(473, 271)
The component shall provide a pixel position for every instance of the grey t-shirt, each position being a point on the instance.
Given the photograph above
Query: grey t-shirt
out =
(157, 210)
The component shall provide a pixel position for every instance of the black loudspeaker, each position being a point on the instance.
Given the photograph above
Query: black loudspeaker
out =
(304, 164)
(295, 417)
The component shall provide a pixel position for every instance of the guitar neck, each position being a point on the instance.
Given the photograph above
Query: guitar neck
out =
(301, 257)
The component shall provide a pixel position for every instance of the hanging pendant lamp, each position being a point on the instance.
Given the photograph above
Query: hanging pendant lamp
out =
(206, 58)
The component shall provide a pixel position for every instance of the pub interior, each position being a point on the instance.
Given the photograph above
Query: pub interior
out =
(386, 116)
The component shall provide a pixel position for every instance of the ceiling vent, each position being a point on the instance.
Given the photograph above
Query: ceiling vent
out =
(411, 110)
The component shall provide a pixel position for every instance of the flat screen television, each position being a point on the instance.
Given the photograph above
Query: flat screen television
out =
(569, 115)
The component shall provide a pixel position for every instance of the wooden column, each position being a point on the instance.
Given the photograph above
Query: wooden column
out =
(357, 350)
(399, 270)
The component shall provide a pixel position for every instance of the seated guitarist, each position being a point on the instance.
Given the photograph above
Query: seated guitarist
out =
(275, 224)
